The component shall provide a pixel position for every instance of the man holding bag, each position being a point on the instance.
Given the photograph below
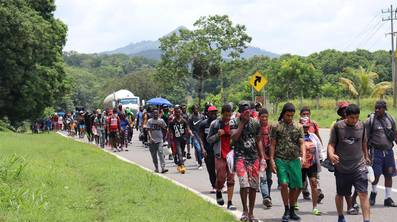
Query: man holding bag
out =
(219, 135)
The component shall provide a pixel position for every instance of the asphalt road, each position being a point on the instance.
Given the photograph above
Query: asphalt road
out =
(198, 180)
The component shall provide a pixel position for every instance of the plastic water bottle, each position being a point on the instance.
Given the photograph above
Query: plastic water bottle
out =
(371, 174)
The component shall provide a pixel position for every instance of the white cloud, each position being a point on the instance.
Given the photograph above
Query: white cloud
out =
(289, 26)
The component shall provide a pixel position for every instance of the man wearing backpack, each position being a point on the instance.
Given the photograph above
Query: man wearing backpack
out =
(348, 151)
(381, 133)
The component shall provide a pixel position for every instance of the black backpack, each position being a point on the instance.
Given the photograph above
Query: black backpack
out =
(390, 133)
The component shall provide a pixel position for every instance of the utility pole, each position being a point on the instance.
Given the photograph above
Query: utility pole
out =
(391, 18)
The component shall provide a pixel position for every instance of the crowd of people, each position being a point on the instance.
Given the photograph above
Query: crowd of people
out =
(242, 143)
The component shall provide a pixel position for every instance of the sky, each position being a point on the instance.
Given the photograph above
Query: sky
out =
(281, 26)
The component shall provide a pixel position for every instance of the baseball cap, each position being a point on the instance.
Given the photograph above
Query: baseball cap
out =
(212, 108)
(342, 105)
(243, 105)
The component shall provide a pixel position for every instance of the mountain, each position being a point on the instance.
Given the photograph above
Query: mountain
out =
(135, 48)
(150, 49)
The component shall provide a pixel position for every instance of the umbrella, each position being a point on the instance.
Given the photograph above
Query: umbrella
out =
(159, 101)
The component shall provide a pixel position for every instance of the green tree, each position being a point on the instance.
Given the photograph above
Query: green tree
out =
(200, 53)
(31, 65)
(300, 79)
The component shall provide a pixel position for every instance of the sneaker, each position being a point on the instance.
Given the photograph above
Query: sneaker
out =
(156, 170)
(296, 207)
(178, 168)
(372, 198)
(293, 216)
(320, 196)
(267, 202)
(176, 161)
(219, 198)
(341, 219)
(353, 211)
(306, 195)
(188, 156)
(200, 167)
(389, 203)
(316, 212)
(285, 217)
(182, 169)
(164, 171)
(170, 157)
(230, 206)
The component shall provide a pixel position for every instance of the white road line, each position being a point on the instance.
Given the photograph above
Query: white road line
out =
(236, 213)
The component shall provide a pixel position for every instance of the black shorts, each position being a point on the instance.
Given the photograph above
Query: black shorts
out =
(345, 182)
(309, 172)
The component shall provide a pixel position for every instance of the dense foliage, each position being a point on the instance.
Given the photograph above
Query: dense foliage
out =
(31, 65)
(290, 77)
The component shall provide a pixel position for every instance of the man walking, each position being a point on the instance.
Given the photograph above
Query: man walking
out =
(194, 124)
(179, 130)
(208, 151)
(156, 126)
(246, 138)
(287, 145)
(347, 150)
(219, 136)
(381, 133)
(113, 127)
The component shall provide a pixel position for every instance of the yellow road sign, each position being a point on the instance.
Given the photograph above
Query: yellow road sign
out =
(258, 81)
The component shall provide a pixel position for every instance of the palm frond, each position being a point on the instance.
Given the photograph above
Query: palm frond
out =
(348, 85)
(381, 89)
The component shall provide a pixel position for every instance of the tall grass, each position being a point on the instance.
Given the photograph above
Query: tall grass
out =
(324, 112)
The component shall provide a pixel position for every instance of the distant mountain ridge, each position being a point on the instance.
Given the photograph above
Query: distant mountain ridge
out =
(150, 49)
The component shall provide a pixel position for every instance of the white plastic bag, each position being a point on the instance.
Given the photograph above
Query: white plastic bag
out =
(166, 150)
(230, 160)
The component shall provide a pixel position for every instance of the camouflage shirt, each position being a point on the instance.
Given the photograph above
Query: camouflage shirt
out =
(287, 137)
(246, 146)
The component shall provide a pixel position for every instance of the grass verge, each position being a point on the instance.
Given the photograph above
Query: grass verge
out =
(50, 178)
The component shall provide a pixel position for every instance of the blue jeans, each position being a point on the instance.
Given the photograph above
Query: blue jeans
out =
(266, 181)
(197, 147)
(101, 134)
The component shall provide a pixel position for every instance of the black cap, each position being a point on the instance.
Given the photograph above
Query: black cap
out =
(380, 104)
(242, 104)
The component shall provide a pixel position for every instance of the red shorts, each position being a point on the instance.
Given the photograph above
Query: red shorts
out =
(248, 173)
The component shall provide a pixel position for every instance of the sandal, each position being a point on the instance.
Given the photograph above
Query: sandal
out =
(252, 219)
(244, 218)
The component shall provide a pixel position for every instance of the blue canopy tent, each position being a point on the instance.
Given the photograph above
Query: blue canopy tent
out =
(159, 102)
